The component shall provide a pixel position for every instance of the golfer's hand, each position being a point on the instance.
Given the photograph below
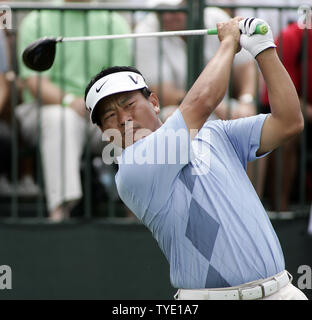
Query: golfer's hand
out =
(78, 105)
(255, 43)
(230, 31)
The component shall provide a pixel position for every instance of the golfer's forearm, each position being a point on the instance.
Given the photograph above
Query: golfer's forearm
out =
(210, 87)
(284, 101)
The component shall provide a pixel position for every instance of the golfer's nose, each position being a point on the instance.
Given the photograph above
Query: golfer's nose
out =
(123, 117)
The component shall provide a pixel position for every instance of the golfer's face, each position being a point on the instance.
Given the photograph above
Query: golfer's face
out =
(131, 114)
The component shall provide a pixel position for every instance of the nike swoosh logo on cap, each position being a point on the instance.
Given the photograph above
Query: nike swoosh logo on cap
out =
(135, 81)
(99, 89)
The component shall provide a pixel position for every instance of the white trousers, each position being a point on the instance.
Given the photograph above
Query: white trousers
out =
(63, 135)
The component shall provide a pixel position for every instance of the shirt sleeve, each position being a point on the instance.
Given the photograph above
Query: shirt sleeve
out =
(245, 134)
(149, 168)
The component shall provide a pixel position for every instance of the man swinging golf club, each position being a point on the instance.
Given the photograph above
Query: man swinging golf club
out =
(202, 209)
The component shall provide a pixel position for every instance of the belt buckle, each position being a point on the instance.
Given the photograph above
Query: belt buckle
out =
(269, 287)
(250, 293)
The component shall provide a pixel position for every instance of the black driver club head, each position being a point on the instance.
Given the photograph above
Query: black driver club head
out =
(40, 54)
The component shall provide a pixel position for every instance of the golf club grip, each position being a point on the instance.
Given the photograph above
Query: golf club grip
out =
(260, 29)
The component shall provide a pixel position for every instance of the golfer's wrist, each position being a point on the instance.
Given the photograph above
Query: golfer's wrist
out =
(230, 42)
(268, 53)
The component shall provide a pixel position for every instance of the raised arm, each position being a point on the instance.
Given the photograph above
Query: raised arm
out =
(210, 87)
(286, 119)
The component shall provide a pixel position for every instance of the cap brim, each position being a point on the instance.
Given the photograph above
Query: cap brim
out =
(118, 82)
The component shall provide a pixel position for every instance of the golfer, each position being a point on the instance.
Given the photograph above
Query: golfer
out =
(201, 208)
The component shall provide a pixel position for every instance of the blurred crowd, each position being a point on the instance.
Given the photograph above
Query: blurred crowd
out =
(62, 128)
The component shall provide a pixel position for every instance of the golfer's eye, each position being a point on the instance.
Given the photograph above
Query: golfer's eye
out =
(109, 115)
(129, 105)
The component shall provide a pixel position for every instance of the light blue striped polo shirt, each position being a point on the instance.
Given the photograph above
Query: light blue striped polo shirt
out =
(199, 203)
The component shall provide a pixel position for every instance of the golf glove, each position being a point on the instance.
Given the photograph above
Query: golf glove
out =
(255, 43)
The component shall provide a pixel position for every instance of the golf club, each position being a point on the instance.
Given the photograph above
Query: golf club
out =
(40, 54)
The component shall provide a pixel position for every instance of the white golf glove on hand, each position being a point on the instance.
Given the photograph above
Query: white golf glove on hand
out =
(255, 43)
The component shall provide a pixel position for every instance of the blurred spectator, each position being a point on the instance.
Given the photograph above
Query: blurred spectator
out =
(5, 186)
(26, 186)
(63, 118)
(290, 45)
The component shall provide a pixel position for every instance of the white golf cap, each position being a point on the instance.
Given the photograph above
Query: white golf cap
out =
(123, 81)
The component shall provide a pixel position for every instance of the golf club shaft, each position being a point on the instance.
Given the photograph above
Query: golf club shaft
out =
(259, 30)
(138, 35)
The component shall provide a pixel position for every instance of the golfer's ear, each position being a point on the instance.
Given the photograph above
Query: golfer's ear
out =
(155, 102)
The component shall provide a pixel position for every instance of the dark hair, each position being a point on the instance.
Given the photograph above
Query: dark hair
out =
(145, 91)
